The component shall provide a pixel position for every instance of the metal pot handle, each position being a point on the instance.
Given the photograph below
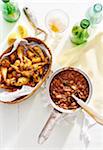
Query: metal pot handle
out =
(48, 127)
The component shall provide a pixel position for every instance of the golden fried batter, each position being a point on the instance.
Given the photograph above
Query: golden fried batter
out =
(25, 66)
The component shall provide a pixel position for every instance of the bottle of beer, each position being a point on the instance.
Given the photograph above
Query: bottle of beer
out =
(94, 14)
(80, 32)
(10, 11)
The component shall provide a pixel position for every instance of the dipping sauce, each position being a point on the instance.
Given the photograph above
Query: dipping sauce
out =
(66, 83)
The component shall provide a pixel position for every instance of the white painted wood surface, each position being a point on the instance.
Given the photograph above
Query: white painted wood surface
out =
(21, 123)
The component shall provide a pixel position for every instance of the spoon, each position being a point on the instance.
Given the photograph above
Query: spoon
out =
(96, 116)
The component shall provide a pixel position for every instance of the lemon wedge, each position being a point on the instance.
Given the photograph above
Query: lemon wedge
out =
(11, 38)
(22, 31)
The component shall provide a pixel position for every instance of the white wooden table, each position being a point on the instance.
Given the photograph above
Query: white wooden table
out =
(21, 123)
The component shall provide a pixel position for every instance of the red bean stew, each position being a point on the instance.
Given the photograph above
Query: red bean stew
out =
(66, 83)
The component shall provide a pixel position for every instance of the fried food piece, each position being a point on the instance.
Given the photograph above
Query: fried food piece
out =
(27, 63)
(22, 31)
(33, 56)
(14, 74)
(36, 53)
(5, 62)
(0, 76)
(40, 52)
(22, 81)
(20, 51)
(38, 65)
(13, 57)
(4, 72)
(31, 83)
(41, 71)
(8, 88)
(30, 54)
(31, 48)
(28, 73)
(10, 69)
(11, 81)
(36, 59)
(3, 86)
(36, 77)
(15, 68)
(17, 63)
(9, 75)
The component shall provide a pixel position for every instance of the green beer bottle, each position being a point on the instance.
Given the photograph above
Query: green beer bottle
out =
(94, 14)
(10, 11)
(80, 32)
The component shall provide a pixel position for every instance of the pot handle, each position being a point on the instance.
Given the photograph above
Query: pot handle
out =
(48, 127)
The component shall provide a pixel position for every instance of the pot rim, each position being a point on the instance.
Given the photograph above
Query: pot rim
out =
(63, 69)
